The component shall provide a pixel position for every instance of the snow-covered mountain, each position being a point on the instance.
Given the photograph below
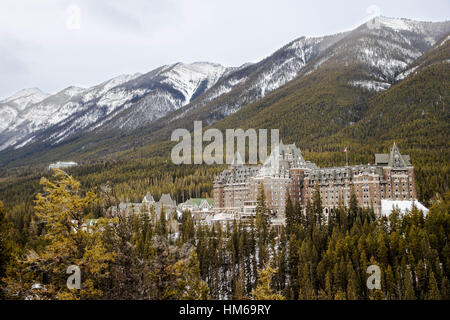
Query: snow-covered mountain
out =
(390, 45)
(56, 117)
(383, 48)
(43, 111)
(166, 89)
(251, 82)
(12, 106)
(180, 93)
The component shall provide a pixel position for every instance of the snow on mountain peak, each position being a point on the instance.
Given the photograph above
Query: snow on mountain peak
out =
(117, 81)
(395, 23)
(101, 89)
(130, 101)
(189, 77)
(25, 97)
(72, 91)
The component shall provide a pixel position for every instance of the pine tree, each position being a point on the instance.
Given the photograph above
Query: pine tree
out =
(408, 286)
(188, 284)
(390, 283)
(309, 218)
(262, 227)
(290, 215)
(5, 247)
(239, 291)
(282, 261)
(263, 290)
(187, 227)
(329, 286)
(70, 239)
(317, 207)
(422, 280)
(128, 274)
(293, 260)
(298, 214)
(433, 290)
(445, 289)
(162, 223)
(352, 285)
(306, 287)
(353, 208)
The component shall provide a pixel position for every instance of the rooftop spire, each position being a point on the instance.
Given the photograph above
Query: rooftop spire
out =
(395, 158)
(237, 160)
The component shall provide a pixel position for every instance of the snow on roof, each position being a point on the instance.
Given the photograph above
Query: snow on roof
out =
(403, 205)
(223, 216)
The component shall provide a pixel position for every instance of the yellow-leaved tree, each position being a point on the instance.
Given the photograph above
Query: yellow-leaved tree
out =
(69, 238)
(263, 290)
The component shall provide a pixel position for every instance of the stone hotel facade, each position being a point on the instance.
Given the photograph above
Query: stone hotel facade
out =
(390, 178)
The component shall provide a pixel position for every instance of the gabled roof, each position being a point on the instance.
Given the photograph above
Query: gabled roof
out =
(199, 201)
(237, 160)
(393, 159)
(381, 159)
(166, 200)
(148, 198)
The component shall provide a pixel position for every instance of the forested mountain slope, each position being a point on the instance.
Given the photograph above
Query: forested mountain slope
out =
(333, 76)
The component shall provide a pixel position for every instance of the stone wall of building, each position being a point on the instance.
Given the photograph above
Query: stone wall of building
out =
(285, 171)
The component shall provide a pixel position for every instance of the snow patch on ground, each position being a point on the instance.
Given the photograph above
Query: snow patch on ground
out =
(405, 74)
(444, 41)
(370, 85)
(28, 141)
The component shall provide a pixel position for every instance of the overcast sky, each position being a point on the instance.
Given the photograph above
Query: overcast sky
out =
(52, 44)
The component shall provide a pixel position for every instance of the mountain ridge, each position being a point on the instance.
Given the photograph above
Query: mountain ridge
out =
(237, 87)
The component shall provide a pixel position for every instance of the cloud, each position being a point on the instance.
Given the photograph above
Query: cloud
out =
(116, 36)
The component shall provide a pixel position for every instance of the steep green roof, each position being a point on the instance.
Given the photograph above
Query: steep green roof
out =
(198, 201)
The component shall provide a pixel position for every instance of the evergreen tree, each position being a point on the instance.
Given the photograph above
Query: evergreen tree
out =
(70, 239)
(353, 208)
(317, 207)
(162, 223)
(188, 284)
(5, 247)
(408, 284)
(433, 290)
(293, 259)
(290, 214)
(187, 227)
(262, 227)
(263, 290)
